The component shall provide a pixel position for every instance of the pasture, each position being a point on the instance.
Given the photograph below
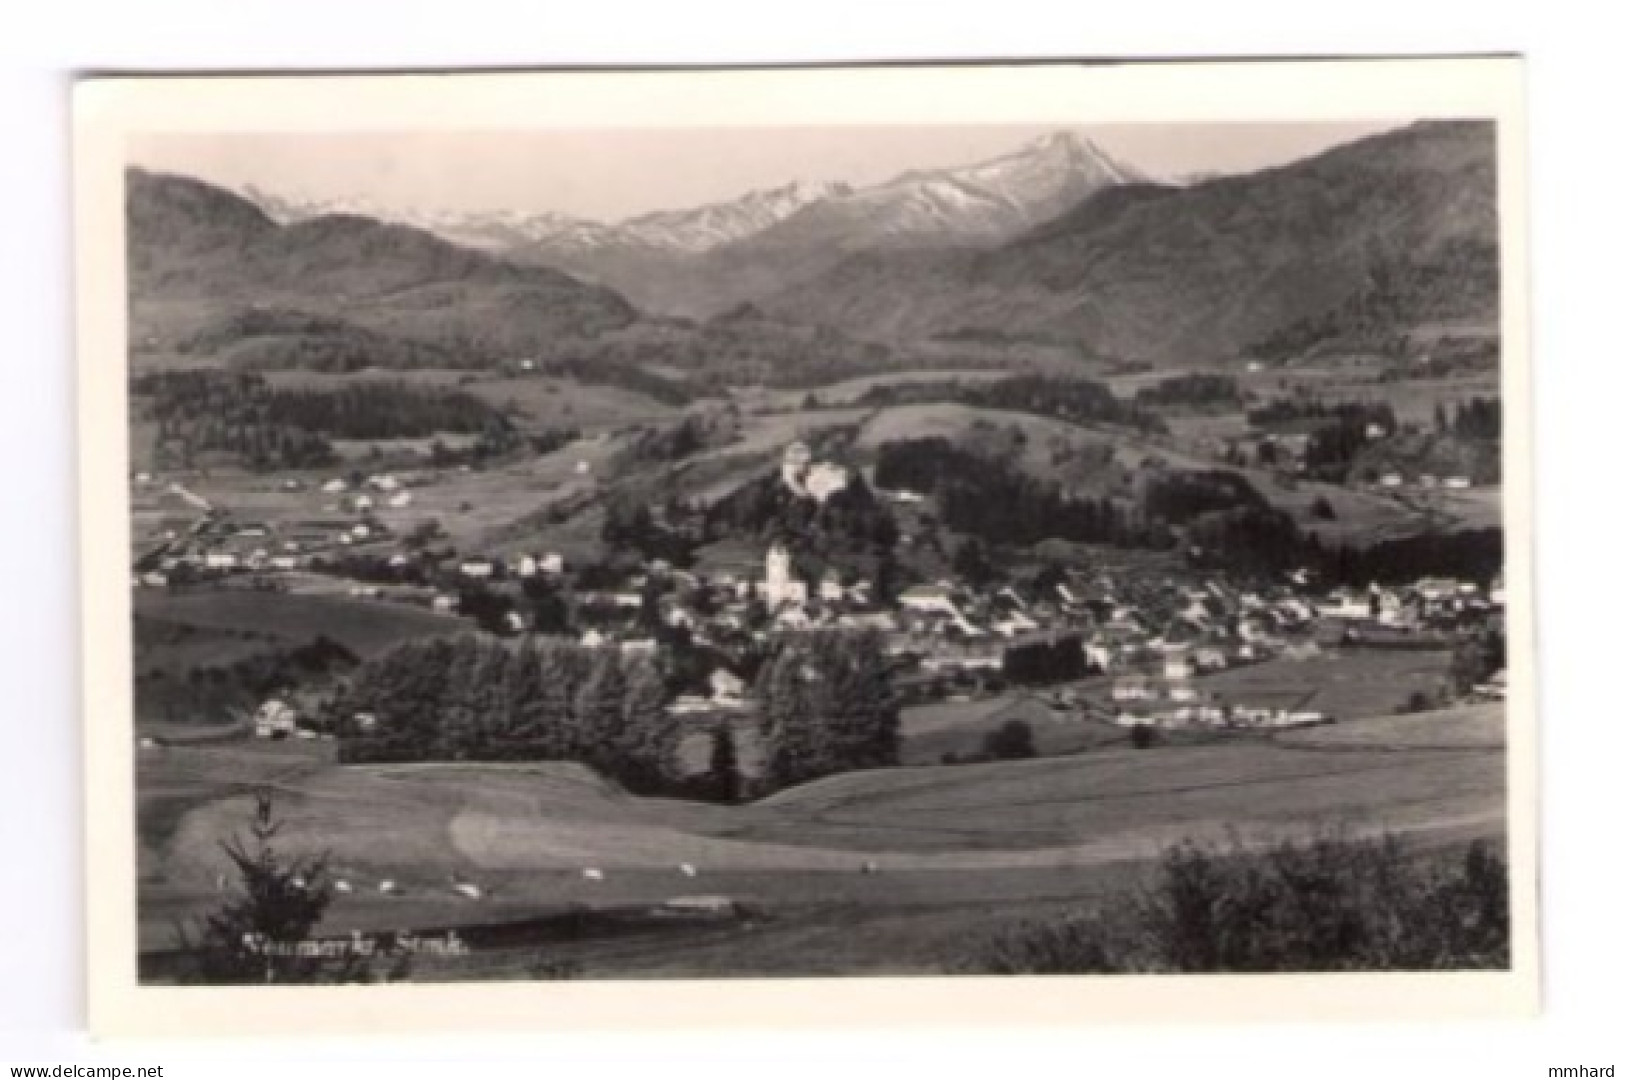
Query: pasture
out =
(1346, 684)
(933, 730)
(365, 627)
(945, 842)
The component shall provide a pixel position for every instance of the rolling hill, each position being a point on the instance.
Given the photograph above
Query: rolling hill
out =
(193, 246)
(1363, 242)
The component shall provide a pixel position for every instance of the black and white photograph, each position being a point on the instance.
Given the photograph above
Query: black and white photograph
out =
(1023, 542)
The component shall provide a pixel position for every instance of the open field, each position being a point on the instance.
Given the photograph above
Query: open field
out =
(365, 627)
(847, 392)
(930, 731)
(947, 841)
(1346, 684)
(1479, 726)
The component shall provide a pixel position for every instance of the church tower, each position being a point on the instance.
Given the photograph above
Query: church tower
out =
(781, 588)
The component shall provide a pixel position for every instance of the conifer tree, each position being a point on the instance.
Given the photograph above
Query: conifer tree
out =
(649, 733)
(598, 713)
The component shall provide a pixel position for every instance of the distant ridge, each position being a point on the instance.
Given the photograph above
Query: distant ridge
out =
(1376, 237)
(703, 260)
(191, 243)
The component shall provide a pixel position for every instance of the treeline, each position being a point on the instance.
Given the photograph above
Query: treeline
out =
(602, 365)
(210, 692)
(827, 706)
(471, 698)
(1338, 432)
(1469, 554)
(1265, 540)
(1313, 412)
(1196, 388)
(630, 523)
(386, 410)
(1073, 400)
(283, 339)
(240, 414)
(998, 503)
(1178, 497)
(672, 443)
(738, 348)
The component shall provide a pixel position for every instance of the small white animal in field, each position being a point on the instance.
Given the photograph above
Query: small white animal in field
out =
(871, 867)
(341, 886)
(592, 873)
(465, 888)
(298, 883)
(687, 869)
(386, 886)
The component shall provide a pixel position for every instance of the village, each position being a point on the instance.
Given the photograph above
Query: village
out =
(1130, 648)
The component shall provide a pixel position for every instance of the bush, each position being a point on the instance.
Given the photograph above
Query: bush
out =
(1331, 903)
(1142, 736)
(1011, 739)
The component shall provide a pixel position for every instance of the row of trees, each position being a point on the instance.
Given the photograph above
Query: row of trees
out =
(827, 706)
(1196, 388)
(238, 413)
(471, 698)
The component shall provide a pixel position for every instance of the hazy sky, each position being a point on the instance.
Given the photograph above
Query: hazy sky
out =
(612, 174)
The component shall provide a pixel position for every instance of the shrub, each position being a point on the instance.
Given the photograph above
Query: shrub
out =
(1011, 739)
(1142, 736)
(1331, 903)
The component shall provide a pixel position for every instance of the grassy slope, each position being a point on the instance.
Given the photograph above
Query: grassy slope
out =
(364, 627)
(1012, 831)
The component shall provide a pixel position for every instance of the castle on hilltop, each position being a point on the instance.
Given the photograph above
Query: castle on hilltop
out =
(816, 480)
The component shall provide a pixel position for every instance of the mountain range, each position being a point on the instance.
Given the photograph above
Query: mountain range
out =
(1379, 236)
(701, 261)
(197, 252)
(1054, 242)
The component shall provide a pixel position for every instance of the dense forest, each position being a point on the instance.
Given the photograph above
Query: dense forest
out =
(996, 502)
(212, 692)
(1400, 291)
(473, 698)
(284, 339)
(1195, 389)
(198, 412)
(1179, 497)
(827, 706)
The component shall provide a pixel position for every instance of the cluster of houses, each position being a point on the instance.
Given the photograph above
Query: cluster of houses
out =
(1148, 636)
(215, 544)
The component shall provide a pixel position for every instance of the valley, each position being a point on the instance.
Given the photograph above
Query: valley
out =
(815, 581)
